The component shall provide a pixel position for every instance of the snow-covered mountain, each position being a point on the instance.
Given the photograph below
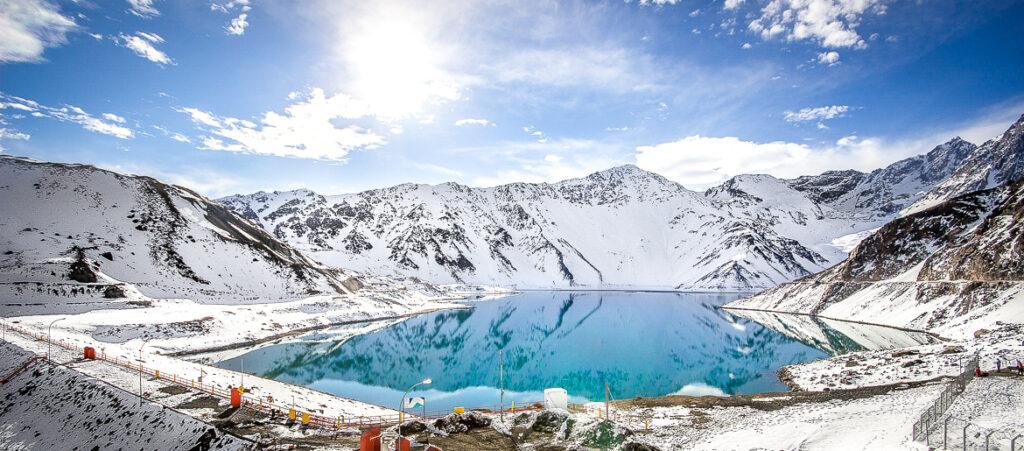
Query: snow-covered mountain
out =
(620, 227)
(951, 268)
(74, 233)
(623, 227)
(996, 162)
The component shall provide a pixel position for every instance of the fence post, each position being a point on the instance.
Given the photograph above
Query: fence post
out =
(945, 434)
(965, 436)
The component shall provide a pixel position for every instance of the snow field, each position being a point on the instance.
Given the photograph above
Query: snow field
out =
(53, 407)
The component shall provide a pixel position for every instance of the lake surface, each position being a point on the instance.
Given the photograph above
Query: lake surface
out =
(640, 343)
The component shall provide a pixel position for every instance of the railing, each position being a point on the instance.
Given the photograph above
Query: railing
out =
(930, 417)
(264, 404)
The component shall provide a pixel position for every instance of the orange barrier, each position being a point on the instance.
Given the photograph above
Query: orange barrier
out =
(258, 403)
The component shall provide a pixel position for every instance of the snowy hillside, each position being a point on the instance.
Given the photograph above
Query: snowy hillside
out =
(951, 269)
(73, 234)
(623, 227)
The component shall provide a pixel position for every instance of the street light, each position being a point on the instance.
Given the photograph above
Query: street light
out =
(401, 405)
(48, 340)
(140, 368)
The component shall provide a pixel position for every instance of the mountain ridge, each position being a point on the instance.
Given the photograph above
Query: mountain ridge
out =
(623, 227)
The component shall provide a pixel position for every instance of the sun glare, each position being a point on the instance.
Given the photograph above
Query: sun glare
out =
(396, 66)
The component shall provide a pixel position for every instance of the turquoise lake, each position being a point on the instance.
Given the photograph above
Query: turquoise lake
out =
(640, 343)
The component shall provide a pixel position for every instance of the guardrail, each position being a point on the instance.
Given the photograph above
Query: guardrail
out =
(934, 412)
(264, 403)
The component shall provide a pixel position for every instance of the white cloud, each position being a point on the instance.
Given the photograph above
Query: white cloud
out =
(306, 130)
(482, 122)
(28, 27)
(142, 45)
(817, 114)
(142, 8)
(658, 2)
(732, 4)
(113, 117)
(829, 23)
(237, 26)
(830, 58)
(8, 133)
(746, 45)
(695, 12)
(699, 162)
(67, 113)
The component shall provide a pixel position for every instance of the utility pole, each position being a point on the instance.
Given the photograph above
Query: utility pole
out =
(501, 380)
(48, 335)
(140, 369)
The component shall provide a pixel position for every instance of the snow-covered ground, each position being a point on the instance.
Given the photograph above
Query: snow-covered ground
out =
(50, 407)
(916, 363)
(874, 423)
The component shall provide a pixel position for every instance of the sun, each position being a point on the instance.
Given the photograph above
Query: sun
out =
(396, 64)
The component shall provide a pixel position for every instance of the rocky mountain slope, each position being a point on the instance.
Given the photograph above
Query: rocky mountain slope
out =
(74, 234)
(951, 268)
(623, 227)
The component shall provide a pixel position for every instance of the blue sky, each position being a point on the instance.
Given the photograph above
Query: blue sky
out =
(336, 96)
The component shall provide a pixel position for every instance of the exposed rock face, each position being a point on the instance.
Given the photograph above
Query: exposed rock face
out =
(996, 162)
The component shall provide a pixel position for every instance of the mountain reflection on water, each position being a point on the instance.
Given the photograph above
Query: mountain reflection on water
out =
(640, 343)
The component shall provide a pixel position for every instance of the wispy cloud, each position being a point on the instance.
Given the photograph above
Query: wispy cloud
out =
(142, 44)
(28, 27)
(68, 113)
(542, 162)
(307, 129)
(816, 114)
(143, 8)
(481, 122)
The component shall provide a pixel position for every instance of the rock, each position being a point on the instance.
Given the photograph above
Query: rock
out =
(549, 421)
(953, 349)
(461, 422)
(905, 353)
(912, 363)
(981, 333)
(114, 292)
(108, 256)
(412, 427)
(352, 284)
(850, 363)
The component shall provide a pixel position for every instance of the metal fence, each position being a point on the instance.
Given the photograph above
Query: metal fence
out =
(264, 403)
(931, 416)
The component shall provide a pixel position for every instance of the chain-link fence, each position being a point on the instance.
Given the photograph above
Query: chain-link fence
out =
(932, 415)
(956, 433)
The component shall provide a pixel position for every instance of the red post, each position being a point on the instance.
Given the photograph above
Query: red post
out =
(90, 353)
(370, 440)
(236, 398)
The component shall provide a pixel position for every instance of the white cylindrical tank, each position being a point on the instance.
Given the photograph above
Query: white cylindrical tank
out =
(556, 398)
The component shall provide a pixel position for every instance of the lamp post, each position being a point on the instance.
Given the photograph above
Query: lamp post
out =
(140, 369)
(48, 340)
(401, 405)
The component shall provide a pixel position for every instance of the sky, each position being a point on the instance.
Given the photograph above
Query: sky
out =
(342, 96)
